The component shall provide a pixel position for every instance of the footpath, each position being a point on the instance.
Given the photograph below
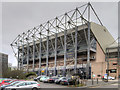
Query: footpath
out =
(96, 83)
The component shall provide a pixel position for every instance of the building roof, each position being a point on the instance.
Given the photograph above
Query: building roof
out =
(102, 35)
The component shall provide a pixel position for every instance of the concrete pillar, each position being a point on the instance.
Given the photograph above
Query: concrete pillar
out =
(55, 64)
(75, 64)
(40, 56)
(22, 57)
(65, 52)
(47, 55)
(88, 49)
(18, 57)
(33, 55)
(27, 56)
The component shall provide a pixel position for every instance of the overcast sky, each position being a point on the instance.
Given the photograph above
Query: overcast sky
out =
(19, 17)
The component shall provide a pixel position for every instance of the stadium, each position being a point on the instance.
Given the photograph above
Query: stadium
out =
(67, 44)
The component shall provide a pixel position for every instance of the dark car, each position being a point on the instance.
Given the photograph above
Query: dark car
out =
(65, 81)
(57, 81)
(52, 79)
(37, 78)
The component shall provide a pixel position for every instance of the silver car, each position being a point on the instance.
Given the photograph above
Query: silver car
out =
(30, 85)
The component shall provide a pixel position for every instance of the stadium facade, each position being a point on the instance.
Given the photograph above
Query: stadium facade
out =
(67, 44)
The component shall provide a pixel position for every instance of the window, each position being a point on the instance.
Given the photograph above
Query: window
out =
(33, 83)
(98, 75)
(6, 81)
(22, 84)
(115, 63)
(64, 78)
(113, 71)
(28, 83)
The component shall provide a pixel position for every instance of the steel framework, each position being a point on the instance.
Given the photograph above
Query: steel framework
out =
(39, 40)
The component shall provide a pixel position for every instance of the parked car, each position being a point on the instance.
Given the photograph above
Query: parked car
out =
(12, 84)
(5, 82)
(42, 78)
(37, 78)
(59, 75)
(9, 82)
(57, 81)
(65, 81)
(46, 79)
(52, 79)
(1, 79)
(31, 85)
(109, 77)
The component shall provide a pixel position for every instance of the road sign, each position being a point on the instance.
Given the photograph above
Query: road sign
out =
(42, 71)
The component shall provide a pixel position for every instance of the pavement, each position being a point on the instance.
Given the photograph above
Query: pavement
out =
(101, 84)
(115, 85)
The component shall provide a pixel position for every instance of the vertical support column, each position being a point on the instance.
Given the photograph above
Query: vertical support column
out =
(22, 57)
(40, 56)
(107, 57)
(18, 57)
(65, 52)
(33, 55)
(55, 64)
(47, 54)
(75, 64)
(88, 49)
(118, 60)
(27, 56)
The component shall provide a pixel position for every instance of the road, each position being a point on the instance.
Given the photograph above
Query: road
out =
(51, 85)
(105, 85)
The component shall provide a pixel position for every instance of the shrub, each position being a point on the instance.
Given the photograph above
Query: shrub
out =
(18, 74)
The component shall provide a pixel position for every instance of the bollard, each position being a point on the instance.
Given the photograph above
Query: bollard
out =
(92, 81)
(97, 80)
(92, 78)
